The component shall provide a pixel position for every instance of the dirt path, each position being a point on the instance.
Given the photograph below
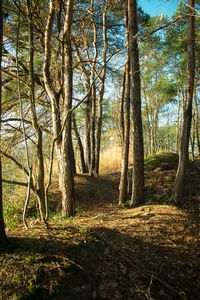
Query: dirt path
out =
(150, 252)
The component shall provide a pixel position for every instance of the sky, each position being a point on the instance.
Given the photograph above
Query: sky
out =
(157, 7)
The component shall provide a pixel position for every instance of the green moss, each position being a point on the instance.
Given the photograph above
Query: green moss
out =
(155, 161)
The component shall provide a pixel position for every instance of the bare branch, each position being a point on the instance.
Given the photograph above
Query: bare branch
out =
(15, 161)
(25, 184)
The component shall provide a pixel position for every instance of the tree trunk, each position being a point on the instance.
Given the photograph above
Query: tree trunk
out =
(125, 147)
(73, 158)
(62, 135)
(40, 186)
(3, 238)
(122, 106)
(178, 125)
(193, 133)
(40, 189)
(138, 148)
(67, 189)
(94, 98)
(155, 129)
(149, 146)
(197, 122)
(187, 117)
(87, 110)
(87, 143)
(80, 145)
(101, 94)
(93, 130)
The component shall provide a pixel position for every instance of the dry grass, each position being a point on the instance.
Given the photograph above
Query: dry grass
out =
(110, 160)
(55, 170)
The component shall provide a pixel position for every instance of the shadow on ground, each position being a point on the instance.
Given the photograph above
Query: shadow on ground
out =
(150, 252)
(105, 263)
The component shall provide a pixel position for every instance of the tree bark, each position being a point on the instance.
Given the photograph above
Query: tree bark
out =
(126, 140)
(87, 143)
(87, 110)
(178, 125)
(93, 98)
(66, 166)
(80, 145)
(197, 122)
(3, 238)
(102, 89)
(149, 138)
(137, 197)
(187, 116)
(62, 134)
(122, 106)
(40, 186)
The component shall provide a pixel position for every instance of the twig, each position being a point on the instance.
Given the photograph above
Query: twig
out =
(15, 182)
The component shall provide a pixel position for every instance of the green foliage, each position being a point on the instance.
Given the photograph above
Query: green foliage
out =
(86, 231)
(57, 217)
(155, 161)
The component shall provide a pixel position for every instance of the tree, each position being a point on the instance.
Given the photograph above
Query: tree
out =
(102, 89)
(40, 186)
(80, 145)
(61, 115)
(137, 197)
(126, 138)
(187, 114)
(125, 121)
(3, 237)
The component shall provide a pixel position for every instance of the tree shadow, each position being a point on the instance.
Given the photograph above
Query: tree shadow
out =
(98, 193)
(109, 264)
(148, 270)
(44, 268)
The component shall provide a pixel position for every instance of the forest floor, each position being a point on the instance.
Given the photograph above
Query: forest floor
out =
(106, 252)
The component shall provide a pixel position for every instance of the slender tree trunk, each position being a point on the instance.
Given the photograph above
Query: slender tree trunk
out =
(122, 106)
(87, 111)
(178, 125)
(26, 150)
(193, 133)
(101, 94)
(68, 203)
(125, 147)
(40, 186)
(94, 98)
(87, 143)
(152, 131)
(93, 130)
(197, 122)
(40, 189)
(80, 145)
(149, 148)
(73, 157)
(187, 117)
(155, 129)
(138, 147)
(62, 134)
(3, 238)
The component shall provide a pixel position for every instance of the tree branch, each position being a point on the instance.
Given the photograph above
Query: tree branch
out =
(15, 162)
(25, 184)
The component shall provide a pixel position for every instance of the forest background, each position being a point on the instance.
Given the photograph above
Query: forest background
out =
(64, 96)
